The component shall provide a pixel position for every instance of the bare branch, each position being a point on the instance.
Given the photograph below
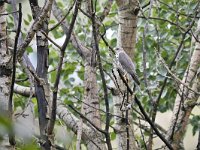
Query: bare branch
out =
(64, 17)
(22, 90)
(81, 49)
(55, 90)
(81, 115)
(50, 39)
(10, 104)
(96, 48)
(145, 114)
(173, 75)
(35, 27)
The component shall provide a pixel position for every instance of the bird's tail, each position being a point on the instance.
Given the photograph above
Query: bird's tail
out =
(135, 78)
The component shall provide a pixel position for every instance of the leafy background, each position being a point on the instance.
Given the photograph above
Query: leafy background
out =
(160, 33)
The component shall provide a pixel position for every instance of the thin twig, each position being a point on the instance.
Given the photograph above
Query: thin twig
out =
(145, 145)
(174, 76)
(165, 20)
(145, 114)
(55, 88)
(101, 110)
(50, 39)
(2, 14)
(88, 120)
(86, 14)
(10, 103)
(110, 48)
(127, 124)
(96, 47)
(55, 26)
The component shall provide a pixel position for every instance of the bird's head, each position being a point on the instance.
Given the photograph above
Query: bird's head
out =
(117, 49)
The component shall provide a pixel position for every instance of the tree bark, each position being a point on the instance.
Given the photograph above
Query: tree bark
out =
(5, 71)
(42, 90)
(91, 95)
(127, 14)
(90, 136)
(184, 100)
(91, 99)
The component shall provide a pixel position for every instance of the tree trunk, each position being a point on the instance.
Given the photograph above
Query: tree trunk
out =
(184, 100)
(127, 14)
(5, 71)
(42, 90)
(91, 95)
(91, 99)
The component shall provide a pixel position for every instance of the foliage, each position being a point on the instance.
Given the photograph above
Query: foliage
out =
(168, 22)
(195, 122)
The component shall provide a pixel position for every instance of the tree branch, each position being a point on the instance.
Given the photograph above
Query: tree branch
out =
(96, 48)
(82, 116)
(10, 103)
(145, 114)
(81, 49)
(55, 88)
(89, 135)
(35, 27)
(64, 17)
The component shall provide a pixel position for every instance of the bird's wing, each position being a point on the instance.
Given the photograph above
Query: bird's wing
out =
(128, 66)
(126, 62)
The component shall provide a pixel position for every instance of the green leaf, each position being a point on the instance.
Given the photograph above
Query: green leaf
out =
(29, 49)
(195, 122)
(164, 54)
(68, 102)
(81, 73)
(32, 145)
(29, 17)
(60, 4)
(113, 136)
(53, 76)
(52, 22)
(26, 22)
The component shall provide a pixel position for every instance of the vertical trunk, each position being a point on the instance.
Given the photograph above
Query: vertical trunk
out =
(127, 14)
(41, 87)
(91, 95)
(91, 98)
(91, 101)
(91, 89)
(5, 64)
(182, 108)
(5, 70)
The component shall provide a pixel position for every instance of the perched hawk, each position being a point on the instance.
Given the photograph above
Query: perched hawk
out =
(126, 63)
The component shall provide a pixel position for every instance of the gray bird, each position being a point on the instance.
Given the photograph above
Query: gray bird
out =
(125, 61)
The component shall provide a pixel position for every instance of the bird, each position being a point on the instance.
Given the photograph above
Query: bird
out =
(126, 63)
